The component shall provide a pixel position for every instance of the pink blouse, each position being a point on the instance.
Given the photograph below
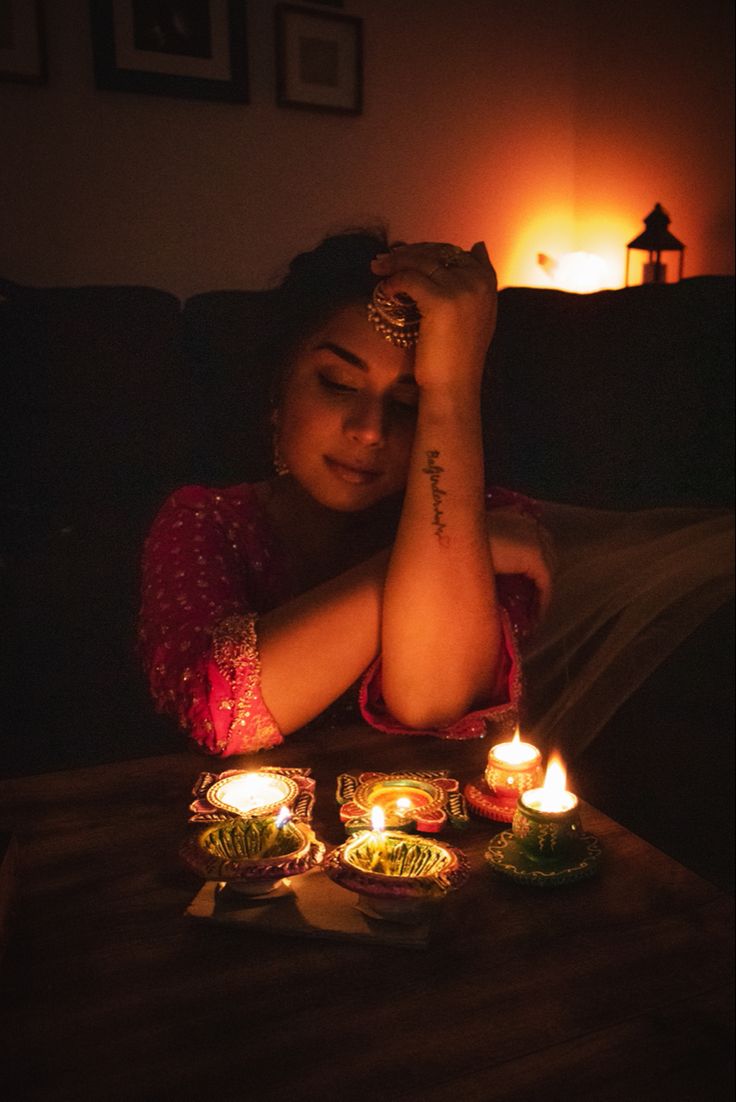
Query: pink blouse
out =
(211, 564)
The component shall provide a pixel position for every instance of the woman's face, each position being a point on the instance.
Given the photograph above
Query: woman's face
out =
(346, 420)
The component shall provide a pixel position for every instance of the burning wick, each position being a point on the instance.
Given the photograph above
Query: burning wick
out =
(552, 796)
(378, 820)
(515, 752)
(283, 817)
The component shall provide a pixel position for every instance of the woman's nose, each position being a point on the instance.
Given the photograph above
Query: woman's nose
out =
(365, 423)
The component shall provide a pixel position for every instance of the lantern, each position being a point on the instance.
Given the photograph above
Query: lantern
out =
(655, 240)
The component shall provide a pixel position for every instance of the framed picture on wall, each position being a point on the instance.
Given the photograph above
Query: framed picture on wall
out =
(319, 60)
(190, 48)
(22, 46)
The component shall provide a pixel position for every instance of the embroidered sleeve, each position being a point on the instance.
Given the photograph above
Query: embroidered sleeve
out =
(235, 650)
(500, 715)
(193, 580)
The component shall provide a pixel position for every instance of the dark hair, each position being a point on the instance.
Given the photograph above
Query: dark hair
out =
(320, 282)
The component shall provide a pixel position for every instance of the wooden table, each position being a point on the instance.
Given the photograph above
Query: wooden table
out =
(619, 987)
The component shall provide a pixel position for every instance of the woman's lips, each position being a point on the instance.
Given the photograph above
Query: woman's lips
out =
(357, 475)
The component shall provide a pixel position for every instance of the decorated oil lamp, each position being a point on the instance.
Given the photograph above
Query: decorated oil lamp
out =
(258, 793)
(512, 768)
(419, 801)
(546, 845)
(397, 877)
(254, 856)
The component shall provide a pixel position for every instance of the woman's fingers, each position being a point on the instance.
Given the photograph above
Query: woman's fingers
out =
(431, 259)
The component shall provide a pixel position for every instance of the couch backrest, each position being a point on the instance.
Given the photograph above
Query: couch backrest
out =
(222, 334)
(621, 399)
(96, 403)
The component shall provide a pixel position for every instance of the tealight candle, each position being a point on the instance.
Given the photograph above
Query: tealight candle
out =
(249, 794)
(547, 819)
(546, 845)
(553, 795)
(513, 767)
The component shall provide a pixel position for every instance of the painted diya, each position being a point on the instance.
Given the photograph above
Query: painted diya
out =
(546, 845)
(397, 877)
(254, 856)
(421, 801)
(258, 793)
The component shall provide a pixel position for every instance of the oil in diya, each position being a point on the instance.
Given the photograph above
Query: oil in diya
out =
(423, 801)
(396, 876)
(254, 856)
(512, 768)
(546, 845)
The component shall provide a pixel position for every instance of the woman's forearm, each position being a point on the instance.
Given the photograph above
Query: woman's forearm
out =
(441, 630)
(315, 646)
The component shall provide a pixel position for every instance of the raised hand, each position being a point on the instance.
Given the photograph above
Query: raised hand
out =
(455, 292)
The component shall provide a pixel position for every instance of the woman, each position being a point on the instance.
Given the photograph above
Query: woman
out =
(377, 546)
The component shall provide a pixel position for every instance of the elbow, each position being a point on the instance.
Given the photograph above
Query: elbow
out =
(419, 712)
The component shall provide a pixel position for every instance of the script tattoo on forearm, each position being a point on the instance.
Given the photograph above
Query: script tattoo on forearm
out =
(434, 471)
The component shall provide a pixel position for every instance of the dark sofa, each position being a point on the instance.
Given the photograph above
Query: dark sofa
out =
(116, 395)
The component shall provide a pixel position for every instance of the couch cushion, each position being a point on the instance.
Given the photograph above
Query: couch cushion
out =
(223, 331)
(621, 399)
(96, 406)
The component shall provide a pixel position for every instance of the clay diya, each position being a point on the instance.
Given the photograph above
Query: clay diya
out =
(259, 793)
(398, 877)
(546, 845)
(254, 856)
(512, 768)
(420, 801)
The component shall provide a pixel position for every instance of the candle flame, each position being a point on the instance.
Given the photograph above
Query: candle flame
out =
(515, 752)
(378, 819)
(283, 816)
(554, 786)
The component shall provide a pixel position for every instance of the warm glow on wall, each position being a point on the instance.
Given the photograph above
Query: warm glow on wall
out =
(553, 249)
(580, 272)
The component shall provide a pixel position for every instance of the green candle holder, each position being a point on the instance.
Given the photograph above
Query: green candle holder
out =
(544, 848)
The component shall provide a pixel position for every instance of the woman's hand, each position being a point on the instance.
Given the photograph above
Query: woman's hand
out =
(455, 292)
(520, 545)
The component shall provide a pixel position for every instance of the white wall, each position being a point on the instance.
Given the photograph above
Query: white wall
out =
(470, 130)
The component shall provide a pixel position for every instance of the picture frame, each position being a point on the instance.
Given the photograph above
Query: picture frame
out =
(319, 60)
(193, 49)
(22, 42)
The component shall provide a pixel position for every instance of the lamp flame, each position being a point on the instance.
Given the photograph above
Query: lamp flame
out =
(283, 816)
(515, 752)
(378, 819)
(555, 784)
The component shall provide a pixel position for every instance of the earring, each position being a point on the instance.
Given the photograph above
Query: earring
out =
(279, 465)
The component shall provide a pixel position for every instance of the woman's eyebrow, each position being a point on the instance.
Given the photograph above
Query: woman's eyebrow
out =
(356, 361)
(344, 354)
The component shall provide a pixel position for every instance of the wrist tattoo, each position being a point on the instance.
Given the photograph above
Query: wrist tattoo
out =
(434, 471)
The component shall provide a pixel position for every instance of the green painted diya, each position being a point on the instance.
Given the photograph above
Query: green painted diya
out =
(396, 876)
(254, 856)
(544, 848)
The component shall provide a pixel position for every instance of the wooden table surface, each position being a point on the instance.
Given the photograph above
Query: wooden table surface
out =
(619, 987)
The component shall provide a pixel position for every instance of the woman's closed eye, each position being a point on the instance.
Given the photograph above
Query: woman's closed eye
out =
(334, 386)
